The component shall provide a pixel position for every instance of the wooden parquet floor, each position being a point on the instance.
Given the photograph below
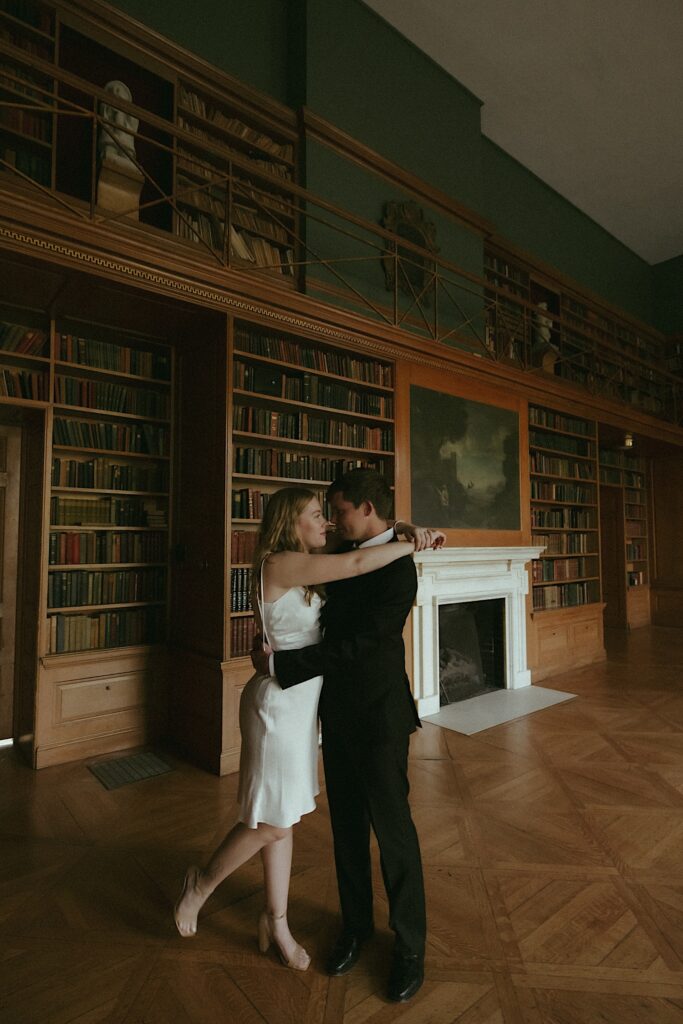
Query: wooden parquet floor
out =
(553, 854)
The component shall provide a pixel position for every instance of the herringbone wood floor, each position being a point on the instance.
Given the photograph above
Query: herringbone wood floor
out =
(553, 852)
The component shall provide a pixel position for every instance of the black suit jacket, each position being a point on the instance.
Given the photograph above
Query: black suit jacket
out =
(361, 658)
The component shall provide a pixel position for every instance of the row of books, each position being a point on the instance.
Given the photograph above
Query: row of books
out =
(291, 350)
(197, 226)
(302, 426)
(549, 490)
(247, 218)
(562, 569)
(243, 545)
(30, 341)
(36, 126)
(110, 397)
(210, 112)
(106, 546)
(635, 528)
(610, 476)
(566, 595)
(566, 543)
(24, 384)
(249, 503)
(563, 518)
(137, 438)
(73, 587)
(100, 512)
(634, 494)
(542, 463)
(300, 466)
(260, 251)
(636, 578)
(633, 479)
(307, 387)
(122, 358)
(501, 266)
(107, 475)
(547, 418)
(636, 552)
(634, 511)
(36, 166)
(17, 78)
(242, 632)
(561, 443)
(240, 590)
(123, 628)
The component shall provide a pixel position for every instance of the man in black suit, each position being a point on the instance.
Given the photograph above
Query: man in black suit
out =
(367, 714)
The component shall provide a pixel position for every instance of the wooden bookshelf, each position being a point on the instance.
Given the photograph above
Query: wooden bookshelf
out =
(252, 220)
(303, 412)
(26, 130)
(564, 510)
(626, 569)
(582, 343)
(108, 545)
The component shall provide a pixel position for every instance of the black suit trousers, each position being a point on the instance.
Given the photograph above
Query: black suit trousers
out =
(367, 787)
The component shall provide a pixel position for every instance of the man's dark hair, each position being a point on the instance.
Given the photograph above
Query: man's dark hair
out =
(359, 485)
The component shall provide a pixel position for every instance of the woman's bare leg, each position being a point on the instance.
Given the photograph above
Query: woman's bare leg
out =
(240, 844)
(277, 869)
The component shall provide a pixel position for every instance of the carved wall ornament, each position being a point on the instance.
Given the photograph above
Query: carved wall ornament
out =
(403, 268)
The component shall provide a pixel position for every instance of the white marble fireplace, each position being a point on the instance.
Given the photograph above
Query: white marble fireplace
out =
(452, 575)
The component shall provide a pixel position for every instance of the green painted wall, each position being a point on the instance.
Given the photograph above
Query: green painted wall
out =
(668, 295)
(534, 217)
(246, 39)
(363, 76)
(349, 66)
(354, 189)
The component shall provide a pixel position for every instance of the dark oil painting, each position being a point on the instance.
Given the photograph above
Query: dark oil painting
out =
(464, 463)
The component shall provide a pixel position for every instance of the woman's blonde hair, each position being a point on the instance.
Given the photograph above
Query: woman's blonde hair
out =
(278, 533)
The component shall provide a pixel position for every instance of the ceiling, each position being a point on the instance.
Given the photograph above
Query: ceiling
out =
(588, 95)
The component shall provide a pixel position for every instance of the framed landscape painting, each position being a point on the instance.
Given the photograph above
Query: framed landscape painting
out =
(464, 458)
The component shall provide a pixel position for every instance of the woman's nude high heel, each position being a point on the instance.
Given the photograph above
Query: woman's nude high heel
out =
(298, 962)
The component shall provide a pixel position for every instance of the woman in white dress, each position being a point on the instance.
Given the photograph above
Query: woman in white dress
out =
(279, 761)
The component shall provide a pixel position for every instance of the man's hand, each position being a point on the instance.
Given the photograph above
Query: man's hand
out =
(260, 659)
(423, 537)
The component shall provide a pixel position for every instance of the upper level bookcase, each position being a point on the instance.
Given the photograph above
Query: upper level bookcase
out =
(253, 217)
(217, 177)
(564, 509)
(27, 135)
(303, 412)
(538, 322)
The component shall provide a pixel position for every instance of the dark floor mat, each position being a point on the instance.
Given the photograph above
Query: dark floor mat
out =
(133, 768)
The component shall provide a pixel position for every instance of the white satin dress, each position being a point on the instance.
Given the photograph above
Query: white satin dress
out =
(279, 759)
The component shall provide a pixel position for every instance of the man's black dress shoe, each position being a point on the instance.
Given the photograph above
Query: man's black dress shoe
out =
(345, 953)
(407, 975)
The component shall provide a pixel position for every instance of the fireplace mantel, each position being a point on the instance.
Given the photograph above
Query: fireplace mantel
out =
(452, 575)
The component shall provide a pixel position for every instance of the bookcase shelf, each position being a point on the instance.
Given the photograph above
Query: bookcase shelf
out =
(27, 129)
(107, 503)
(564, 510)
(312, 389)
(628, 474)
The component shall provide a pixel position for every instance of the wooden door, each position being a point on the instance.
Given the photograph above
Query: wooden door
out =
(10, 461)
(612, 556)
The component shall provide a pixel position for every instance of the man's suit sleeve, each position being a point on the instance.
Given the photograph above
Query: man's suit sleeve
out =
(385, 622)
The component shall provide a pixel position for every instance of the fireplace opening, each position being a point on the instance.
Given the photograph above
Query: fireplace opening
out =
(471, 649)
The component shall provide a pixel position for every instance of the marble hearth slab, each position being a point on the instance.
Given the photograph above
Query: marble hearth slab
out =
(491, 709)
